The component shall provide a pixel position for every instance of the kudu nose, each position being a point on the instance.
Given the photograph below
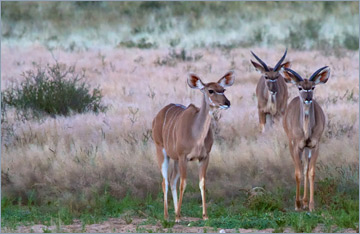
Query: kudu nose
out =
(227, 103)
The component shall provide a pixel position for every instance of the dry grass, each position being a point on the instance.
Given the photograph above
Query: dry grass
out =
(74, 157)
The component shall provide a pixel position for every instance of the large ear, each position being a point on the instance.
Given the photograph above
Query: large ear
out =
(195, 82)
(290, 76)
(286, 65)
(227, 80)
(321, 76)
(258, 67)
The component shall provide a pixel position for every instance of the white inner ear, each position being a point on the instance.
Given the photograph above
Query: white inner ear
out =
(199, 84)
(222, 82)
(317, 80)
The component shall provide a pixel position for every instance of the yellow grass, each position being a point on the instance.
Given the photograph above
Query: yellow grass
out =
(66, 156)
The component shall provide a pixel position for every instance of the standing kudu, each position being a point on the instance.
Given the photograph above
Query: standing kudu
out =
(304, 123)
(184, 134)
(271, 91)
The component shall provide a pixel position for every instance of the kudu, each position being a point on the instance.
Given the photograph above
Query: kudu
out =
(271, 91)
(304, 123)
(184, 134)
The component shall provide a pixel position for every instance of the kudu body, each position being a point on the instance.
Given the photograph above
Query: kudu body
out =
(184, 134)
(271, 91)
(304, 123)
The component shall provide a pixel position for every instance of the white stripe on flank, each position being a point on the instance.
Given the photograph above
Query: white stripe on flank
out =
(310, 153)
(165, 117)
(170, 124)
(164, 172)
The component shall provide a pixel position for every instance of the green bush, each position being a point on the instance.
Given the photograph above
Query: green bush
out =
(54, 90)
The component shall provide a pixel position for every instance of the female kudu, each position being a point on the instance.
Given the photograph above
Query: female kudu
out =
(304, 123)
(184, 134)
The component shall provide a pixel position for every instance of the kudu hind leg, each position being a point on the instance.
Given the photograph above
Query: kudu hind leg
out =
(203, 164)
(174, 177)
(163, 161)
(296, 154)
(182, 167)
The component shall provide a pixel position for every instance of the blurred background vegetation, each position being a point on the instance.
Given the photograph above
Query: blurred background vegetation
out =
(81, 25)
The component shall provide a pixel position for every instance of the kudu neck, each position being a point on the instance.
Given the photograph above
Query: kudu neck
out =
(202, 121)
(307, 117)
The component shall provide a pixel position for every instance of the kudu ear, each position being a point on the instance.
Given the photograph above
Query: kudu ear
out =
(195, 82)
(258, 67)
(321, 76)
(290, 76)
(286, 65)
(227, 80)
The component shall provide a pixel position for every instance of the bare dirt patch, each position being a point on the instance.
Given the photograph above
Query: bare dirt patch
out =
(118, 225)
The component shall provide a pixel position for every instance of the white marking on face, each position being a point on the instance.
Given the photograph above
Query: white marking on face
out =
(219, 93)
(211, 102)
(309, 156)
(164, 172)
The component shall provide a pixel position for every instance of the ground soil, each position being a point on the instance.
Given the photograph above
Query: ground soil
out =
(118, 225)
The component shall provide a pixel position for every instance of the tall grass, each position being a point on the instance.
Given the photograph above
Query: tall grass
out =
(71, 158)
(79, 25)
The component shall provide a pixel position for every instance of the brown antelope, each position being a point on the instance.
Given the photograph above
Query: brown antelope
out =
(304, 123)
(184, 134)
(271, 91)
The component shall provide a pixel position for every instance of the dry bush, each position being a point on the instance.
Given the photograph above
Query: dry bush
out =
(74, 157)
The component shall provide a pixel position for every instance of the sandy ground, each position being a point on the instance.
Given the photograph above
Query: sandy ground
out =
(118, 225)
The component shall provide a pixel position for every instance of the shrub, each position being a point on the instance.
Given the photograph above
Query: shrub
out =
(54, 90)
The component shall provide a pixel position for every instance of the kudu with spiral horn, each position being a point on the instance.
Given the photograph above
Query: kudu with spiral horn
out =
(304, 123)
(271, 91)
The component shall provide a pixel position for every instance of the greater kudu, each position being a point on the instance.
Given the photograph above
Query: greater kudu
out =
(271, 91)
(184, 134)
(304, 123)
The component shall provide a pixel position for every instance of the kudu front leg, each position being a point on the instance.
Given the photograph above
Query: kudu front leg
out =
(297, 161)
(307, 157)
(262, 120)
(312, 177)
(203, 164)
(182, 167)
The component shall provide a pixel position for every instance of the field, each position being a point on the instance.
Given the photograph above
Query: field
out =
(96, 172)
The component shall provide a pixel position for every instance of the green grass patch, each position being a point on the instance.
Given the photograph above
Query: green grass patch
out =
(53, 90)
(265, 211)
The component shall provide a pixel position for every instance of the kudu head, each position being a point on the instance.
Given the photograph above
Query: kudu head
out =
(213, 91)
(270, 74)
(306, 86)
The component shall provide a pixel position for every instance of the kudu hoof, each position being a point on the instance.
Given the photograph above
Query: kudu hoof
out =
(304, 204)
(297, 205)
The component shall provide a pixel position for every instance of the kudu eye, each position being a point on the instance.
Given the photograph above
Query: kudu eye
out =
(300, 88)
(211, 91)
(312, 88)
